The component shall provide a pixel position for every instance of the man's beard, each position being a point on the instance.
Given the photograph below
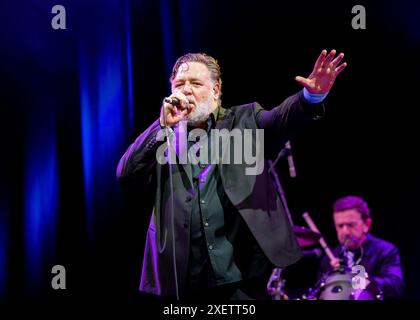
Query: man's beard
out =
(201, 112)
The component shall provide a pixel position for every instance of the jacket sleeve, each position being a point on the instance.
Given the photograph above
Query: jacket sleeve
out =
(291, 115)
(140, 157)
(389, 277)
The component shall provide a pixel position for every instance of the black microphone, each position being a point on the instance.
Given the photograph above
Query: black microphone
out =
(351, 242)
(315, 253)
(292, 170)
(176, 103)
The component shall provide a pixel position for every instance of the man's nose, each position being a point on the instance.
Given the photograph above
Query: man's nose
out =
(346, 233)
(186, 89)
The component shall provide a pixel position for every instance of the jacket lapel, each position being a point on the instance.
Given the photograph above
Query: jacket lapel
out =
(224, 121)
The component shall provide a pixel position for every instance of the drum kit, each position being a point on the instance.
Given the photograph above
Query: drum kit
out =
(339, 285)
(336, 285)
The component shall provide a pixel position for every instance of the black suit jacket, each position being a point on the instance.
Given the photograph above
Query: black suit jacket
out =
(253, 195)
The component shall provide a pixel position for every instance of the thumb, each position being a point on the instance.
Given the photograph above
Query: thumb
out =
(303, 81)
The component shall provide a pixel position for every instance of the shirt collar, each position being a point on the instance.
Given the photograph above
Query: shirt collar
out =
(215, 113)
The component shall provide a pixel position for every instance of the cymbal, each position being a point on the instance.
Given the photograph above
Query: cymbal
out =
(305, 236)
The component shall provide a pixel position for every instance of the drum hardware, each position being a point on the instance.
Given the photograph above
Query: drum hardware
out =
(276, 284)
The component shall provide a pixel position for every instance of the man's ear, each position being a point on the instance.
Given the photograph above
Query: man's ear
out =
(216, 90)
(368, 223)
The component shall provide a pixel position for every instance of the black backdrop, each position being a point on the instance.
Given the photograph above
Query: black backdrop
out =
(65, 121)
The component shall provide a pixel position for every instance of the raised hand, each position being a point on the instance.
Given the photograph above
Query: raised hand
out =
(326, 70)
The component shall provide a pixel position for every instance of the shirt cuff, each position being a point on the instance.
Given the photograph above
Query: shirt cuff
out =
(314, 97)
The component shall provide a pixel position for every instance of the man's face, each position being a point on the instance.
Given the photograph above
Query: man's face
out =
(194, 81)
(351, 228)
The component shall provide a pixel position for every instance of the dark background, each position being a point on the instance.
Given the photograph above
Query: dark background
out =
(73, 100)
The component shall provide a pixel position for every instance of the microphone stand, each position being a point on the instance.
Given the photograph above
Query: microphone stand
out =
(283, 153)
(275, 286)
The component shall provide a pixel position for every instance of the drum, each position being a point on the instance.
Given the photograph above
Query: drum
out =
(341, 286)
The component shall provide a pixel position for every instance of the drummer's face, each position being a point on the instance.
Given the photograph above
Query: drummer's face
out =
(351, 228)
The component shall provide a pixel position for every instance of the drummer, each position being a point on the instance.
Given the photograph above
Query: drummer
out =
(380, 258)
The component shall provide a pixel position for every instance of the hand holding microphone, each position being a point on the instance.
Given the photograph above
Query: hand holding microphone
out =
(176, 103)
(174, 109)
